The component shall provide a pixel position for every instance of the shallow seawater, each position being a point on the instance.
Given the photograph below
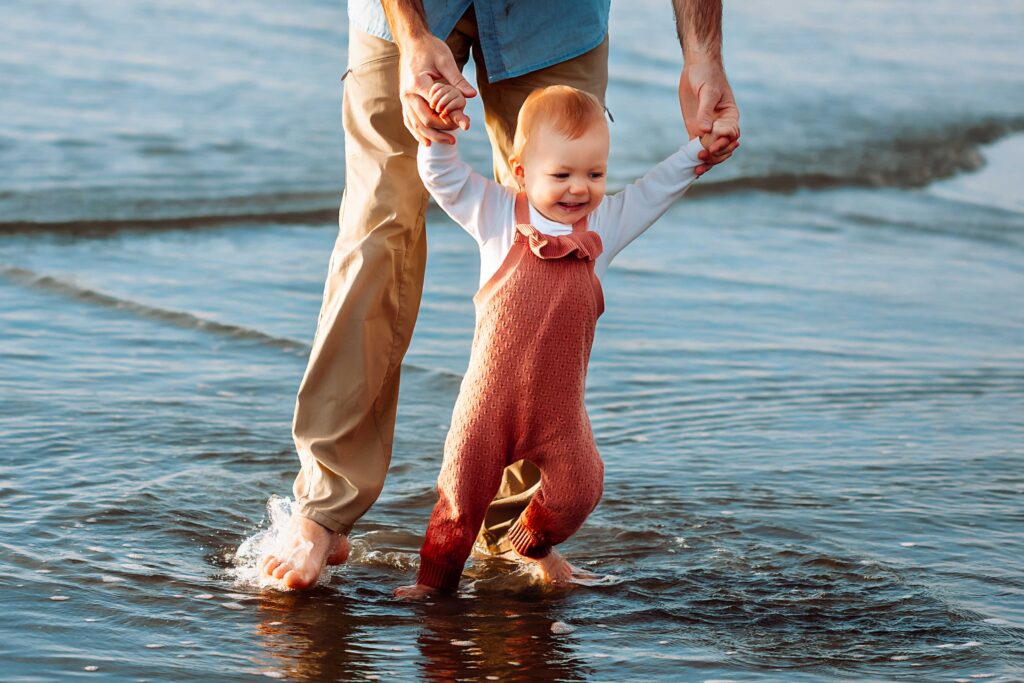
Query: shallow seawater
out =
(808, 385)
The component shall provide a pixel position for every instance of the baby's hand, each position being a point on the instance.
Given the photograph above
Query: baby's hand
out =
(720, 143)
(448, 103)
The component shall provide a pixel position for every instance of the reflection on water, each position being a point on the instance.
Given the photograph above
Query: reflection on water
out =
(311, 636)
(323, 636)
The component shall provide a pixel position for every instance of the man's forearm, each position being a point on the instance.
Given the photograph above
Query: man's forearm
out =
(407, 19)
(699, 25)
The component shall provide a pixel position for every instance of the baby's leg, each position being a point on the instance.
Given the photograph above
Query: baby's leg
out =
(572, 477)
(470, 476)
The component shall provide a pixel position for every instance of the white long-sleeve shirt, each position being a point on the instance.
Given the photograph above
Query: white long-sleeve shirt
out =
(486, 209)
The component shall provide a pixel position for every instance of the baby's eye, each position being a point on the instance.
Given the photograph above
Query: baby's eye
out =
(563, 176)
(596, 176)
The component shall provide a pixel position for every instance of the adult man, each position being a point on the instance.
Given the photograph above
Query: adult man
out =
(346, 406)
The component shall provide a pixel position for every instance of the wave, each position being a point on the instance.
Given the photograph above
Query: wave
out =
(903, 161)
(995, 185)
(29, 278)
(320, 215)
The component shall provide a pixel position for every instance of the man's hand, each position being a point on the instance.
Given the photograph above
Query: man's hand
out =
(705, 97)
(424, 60)
(709, 111)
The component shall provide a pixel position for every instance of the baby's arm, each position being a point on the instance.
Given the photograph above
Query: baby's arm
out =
(481, 206)
(622, 217)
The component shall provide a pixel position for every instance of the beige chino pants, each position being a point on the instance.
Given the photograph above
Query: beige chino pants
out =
(345, 410)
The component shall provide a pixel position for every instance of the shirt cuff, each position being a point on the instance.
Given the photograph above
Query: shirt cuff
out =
(691, 149)
(439, 150)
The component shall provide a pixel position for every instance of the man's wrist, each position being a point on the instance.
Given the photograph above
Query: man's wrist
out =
(700, 55)
(411, 40)
(407, 20)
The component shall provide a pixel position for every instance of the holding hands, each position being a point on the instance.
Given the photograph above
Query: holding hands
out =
(712, 115)
(449, 104)
(709, 110)
(424, 60)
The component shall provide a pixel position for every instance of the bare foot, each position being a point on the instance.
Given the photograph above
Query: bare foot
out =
(301, 553)
(417, 591)
(550, 568)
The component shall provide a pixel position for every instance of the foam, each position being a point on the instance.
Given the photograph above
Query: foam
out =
(593, 580)
(274, 539)
(996, 184)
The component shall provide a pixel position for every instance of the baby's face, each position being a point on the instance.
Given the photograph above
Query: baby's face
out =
(564, 178)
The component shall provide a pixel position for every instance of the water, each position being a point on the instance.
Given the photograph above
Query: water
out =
(807, 388)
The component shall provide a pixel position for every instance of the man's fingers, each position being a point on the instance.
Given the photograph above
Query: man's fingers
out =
(707, 99)
(425, 135)
(465, 88)
(422, 85)
(450, 72)
(435, 135)
(412, 130)
(420, 110)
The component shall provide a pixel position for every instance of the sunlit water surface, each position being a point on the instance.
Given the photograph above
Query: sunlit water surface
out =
(808, 387)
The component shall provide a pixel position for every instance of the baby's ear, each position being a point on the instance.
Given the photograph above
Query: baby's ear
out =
(517, 167)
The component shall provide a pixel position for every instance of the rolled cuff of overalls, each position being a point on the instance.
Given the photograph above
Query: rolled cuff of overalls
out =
(442, 577)
(526, 542)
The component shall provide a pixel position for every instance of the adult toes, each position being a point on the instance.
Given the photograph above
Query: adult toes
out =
(294, 579)
(269, 564)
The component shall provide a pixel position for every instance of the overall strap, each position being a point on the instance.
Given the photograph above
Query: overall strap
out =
(522, 209)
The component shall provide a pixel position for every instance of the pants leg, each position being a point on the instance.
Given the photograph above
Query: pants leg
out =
(571, 484)
(502, 101)
(344, 419)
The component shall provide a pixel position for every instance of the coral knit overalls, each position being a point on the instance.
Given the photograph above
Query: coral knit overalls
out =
(522, 399)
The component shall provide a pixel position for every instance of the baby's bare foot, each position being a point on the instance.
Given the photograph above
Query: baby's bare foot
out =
(417, 591)
(550, 568)
(301, 553)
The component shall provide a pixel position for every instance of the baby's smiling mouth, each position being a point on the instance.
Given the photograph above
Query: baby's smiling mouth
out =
(571, 206)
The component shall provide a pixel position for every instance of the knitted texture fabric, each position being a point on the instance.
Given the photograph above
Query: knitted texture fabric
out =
(522, 398)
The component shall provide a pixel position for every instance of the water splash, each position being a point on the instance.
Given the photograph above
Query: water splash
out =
(594, 580)
(274, 538)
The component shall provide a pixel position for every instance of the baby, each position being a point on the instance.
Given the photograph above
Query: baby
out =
(543, 252)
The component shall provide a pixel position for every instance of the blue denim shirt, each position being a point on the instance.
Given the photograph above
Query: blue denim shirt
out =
(516, 36)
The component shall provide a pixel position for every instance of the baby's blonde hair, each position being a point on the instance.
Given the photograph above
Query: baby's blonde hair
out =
(568, 110)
